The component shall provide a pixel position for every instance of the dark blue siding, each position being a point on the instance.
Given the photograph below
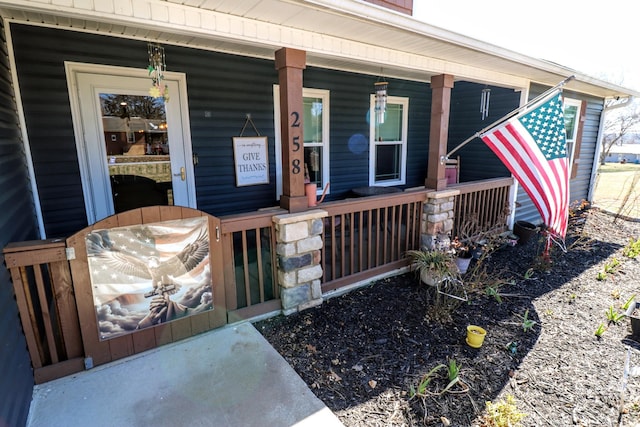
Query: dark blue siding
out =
(477, 161)
(17, 223)
(227, 87)
(349, 103)
(222, 90)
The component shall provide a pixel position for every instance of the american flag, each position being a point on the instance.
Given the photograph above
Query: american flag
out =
(533, 146)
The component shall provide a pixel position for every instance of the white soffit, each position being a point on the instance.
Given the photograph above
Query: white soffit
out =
(349, 35)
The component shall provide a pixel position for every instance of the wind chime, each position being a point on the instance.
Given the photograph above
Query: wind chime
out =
(381, 100)
(157, 67)
(484, 102)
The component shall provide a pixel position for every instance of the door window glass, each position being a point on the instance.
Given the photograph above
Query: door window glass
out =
(137, 150)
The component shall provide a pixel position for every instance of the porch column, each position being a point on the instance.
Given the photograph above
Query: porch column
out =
(440, 107)
(290, 63)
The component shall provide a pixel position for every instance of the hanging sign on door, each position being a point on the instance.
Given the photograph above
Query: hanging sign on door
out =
(251, 160)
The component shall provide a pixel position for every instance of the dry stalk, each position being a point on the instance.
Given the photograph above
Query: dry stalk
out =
(629, 200)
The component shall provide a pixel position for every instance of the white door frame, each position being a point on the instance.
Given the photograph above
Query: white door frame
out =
(95, 185)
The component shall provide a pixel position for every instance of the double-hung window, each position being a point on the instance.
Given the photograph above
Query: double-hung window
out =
(315, 123)
(388, 142)
(571, 124)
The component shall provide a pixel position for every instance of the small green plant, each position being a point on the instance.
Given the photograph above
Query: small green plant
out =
(493, 292)
(628, 303)
(610, 267)
(632, 250)
(424, 382)
(453, 378)
(527, 324)
(613, 316)
(600, 330)
(529, 274)
(453, 369)
(503, 413)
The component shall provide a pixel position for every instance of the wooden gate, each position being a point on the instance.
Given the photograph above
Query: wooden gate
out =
(62, 331)
(138, 341)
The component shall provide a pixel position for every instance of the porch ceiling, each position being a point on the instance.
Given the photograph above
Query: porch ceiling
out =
(349, 35)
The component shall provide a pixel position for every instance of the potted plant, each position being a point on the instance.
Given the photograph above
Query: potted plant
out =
(633, 312)
(463, 251)
(431, 265)
(524, 230)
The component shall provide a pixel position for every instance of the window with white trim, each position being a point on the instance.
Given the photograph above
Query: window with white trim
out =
(571, 124)
(315, 110)
(388, 143)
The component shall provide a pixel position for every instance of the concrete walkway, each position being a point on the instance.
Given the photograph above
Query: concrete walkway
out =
(227, 377)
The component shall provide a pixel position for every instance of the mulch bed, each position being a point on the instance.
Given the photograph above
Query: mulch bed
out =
(363, 352)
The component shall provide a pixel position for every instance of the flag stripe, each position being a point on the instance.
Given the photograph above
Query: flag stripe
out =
(509, 155)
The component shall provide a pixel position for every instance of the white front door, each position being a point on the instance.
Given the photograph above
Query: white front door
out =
(134, 150)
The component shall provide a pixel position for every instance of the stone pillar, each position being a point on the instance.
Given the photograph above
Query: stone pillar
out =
(299, 242)
(437, 219)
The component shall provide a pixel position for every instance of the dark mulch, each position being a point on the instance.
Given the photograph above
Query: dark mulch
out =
(362, 352)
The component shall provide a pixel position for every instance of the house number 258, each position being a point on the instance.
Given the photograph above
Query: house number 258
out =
(295, 163)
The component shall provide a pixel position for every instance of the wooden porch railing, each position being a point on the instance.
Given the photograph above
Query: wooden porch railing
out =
(46, 301)
(47, 306)
(369, 236)
(481, 206)
(249, 244)
(362, 238)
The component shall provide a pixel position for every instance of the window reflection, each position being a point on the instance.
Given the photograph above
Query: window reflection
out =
(136, 150)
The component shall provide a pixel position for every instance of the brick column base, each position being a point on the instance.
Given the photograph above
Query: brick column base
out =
(299, 241)
(437, 220)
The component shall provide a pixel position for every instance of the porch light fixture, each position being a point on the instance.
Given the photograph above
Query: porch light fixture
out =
(157, 67)
(381, 100)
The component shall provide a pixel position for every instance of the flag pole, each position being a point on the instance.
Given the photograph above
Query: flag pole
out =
(444, 158)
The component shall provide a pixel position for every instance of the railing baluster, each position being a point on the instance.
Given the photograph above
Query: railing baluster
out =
(259, 264)
(334, 249)
(370, 246)
(343, 248)
(274, 261)
(245, 265)
(361, 252)
(352, 248)
(46, 315)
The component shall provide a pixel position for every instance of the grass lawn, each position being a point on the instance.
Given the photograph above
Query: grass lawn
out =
(618, 189)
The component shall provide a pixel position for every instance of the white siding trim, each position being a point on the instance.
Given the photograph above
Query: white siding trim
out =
(210, 25)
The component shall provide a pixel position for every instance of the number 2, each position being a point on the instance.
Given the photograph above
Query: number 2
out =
(296, 119)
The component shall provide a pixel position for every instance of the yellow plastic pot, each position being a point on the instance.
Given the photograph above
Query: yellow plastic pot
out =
(475, 336)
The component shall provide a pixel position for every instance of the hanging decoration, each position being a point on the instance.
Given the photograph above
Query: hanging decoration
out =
(157, 67)
(484, 102)
(381, 100)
